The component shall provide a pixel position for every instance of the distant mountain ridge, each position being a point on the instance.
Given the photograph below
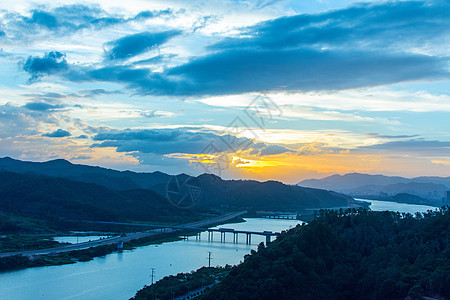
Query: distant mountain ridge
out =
(428, 187)
(55, 200)
(214, 192)
(118, 180)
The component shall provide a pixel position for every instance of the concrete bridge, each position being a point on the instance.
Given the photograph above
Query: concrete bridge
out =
(235, 233)
(156, 229)
(198, 227)
(223, 232)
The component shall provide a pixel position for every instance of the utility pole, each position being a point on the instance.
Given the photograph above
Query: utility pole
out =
(153, 274)
(209, 259)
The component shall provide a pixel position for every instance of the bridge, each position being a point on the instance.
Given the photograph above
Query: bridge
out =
(155, 229)
(210, 231)
(235, 233)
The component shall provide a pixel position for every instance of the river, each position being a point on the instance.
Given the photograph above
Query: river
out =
(395, 206)
(120, 275)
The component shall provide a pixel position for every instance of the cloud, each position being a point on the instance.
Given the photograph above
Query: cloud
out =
(44, 19)
(69, 19)
(156, 60)
(158, 141)
(362, 25)
(148, 14)
(92, 93)
(50, 96)
(13, 122)
(157, 114)
(83, 136)
(414, 147)
(51, 63)
(135, 44)
(181, 140)
(307, 52)
(42, 106)
(402, 136)
(274, 150)
(57, 134)
(82, 157)
(242, 71)
(19, 121)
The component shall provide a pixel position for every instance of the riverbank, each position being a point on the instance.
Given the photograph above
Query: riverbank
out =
(17, 262)
(183, 285)
(120, 274)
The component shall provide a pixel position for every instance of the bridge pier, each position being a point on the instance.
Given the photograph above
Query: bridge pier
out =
(267, 239)
(249, 239)
(222, 237)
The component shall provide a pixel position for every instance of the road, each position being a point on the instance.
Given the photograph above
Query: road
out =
(118, 239)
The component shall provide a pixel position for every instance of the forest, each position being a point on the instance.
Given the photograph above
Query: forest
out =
(353, 254)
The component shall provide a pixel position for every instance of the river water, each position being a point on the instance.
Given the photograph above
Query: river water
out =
(395, 206)
(120, 275)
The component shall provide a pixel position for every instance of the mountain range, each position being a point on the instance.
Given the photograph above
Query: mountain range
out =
(432, 189)
(64, 190)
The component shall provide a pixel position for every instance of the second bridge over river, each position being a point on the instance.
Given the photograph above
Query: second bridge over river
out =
(234, 233)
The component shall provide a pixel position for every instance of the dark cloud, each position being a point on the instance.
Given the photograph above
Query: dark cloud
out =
(69, 19)
(203, 22)
(83, 136)
(57, 134)
(416, 147)
(274, 150)
(180, 140)
(43, 19)
(135, 44)
(309, 52)
(51, 63)
(148, 14)
(42, 106)
(240, 71)
(45, 97)
(92, 93)
(377, 135)
(162, 58)
(363, 25)
(158, 141)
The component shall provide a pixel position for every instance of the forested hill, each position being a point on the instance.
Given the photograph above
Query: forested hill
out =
(213, 191)
(269, 195)
(50, 198)
(113, 179)
(362, 255)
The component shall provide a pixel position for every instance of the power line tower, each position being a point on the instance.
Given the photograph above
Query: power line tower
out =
(209, 259)
(153, 274)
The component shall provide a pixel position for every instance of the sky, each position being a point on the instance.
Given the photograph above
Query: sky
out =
(252, 89)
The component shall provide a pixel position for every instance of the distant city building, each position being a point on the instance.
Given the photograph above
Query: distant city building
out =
(448, 197)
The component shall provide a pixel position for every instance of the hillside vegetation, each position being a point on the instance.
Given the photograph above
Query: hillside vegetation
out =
(214, 193)
(36, 197)
(357, 254)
